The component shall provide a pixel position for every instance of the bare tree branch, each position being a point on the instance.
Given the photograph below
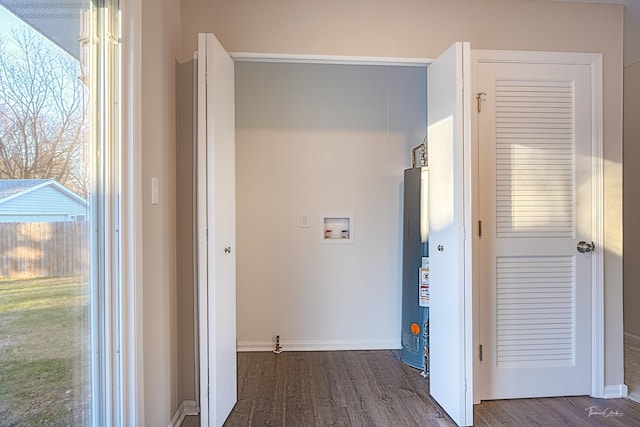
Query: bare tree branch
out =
(43, 113)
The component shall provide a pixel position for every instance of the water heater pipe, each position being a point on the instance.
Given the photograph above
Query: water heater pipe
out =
(423, 156)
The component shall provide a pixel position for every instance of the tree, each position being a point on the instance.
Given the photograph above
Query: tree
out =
(43, 113)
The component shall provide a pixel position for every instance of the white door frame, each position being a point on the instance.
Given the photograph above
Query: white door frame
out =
(594, 61)
(201, 247)
(201, 244)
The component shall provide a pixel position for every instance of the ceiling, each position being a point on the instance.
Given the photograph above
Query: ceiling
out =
(59, 21)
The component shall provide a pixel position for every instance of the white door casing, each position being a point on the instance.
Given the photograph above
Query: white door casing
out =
(215, 194)
(539, 194)
(450, 321)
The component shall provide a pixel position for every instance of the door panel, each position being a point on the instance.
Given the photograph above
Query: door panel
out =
(535, 206)
(216, 231)
(449, 209)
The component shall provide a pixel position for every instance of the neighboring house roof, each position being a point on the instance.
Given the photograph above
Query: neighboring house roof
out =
(12, 188)
(59, 20)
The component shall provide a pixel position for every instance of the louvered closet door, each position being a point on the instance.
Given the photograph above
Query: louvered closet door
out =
(535, 189)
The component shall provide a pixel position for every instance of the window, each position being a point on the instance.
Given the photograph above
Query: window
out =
(60, 157)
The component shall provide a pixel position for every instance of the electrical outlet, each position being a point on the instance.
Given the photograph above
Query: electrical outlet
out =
(304, 221)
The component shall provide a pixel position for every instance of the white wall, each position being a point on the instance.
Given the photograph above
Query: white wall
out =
(313, 139)
(160, 40)
(425, 28)
(631, 198)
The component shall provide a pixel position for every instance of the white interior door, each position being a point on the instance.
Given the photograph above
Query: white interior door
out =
(216, 231)
(449, 216)
(535, 157)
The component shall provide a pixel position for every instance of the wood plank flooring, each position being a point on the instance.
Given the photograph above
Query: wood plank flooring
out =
(374, 388)
(331, 388)
(632, 366)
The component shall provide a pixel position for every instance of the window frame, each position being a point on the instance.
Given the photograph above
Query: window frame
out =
(131, 400)
(117, 318)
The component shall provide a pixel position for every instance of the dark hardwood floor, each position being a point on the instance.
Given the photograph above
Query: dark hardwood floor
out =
(373, 388)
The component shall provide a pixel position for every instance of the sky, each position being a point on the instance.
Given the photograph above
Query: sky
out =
(8, 21)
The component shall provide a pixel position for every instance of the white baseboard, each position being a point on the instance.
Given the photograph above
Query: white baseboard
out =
(633, 338)
(318, 345)
(615, 391)
(188, 407)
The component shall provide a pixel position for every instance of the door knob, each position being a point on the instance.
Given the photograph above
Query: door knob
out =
(227, 250)
(585, 247)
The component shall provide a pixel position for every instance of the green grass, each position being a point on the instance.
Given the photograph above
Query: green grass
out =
(44, 378)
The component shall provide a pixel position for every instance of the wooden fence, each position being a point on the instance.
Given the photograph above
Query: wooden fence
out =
(44, 249)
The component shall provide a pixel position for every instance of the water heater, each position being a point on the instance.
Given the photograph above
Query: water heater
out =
(415, 270)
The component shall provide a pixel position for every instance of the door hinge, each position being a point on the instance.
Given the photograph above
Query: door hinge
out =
(479, 99)
(480, 352)
(479, 228)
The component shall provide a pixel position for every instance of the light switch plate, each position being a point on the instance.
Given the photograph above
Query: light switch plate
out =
(155, 192)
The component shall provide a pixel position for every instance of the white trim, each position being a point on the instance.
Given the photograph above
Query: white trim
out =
(194, 231)
(631, 337)
(467, 362)
(321, 345)
(517, 56)
(186, 408)
(597, 215)
(328, 59)
(615, 391)
(178, 417)
(132, 356)
(201, 224)
(594, 60)
(190, 408)
(632, 64)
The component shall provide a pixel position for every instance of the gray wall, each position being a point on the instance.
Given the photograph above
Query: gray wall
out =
(632, 199)
(316, 139)
(184, 229)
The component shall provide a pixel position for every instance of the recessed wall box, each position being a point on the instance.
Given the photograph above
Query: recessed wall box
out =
(337, 229)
